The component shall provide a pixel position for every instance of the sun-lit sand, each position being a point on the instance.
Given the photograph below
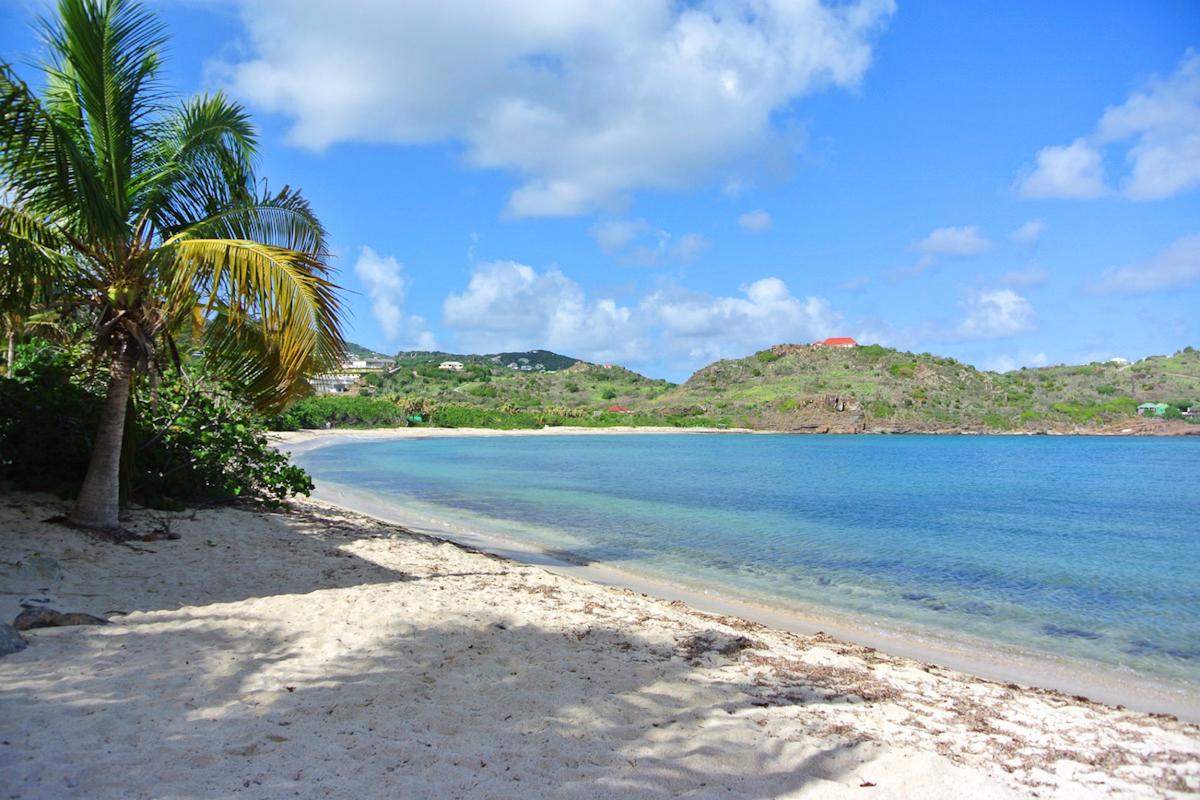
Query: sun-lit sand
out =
(320, 653)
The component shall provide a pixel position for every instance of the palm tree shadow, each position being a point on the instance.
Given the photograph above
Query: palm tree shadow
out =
(478, 709)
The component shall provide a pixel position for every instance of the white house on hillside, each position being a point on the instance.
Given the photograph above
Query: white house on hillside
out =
(451, 366)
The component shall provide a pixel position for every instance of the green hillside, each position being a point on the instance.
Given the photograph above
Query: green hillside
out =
(795, 387)
(787, 388)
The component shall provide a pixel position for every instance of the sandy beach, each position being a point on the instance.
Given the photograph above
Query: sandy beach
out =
(322, 653)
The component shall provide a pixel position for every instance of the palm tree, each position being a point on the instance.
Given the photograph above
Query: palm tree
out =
(147, 217)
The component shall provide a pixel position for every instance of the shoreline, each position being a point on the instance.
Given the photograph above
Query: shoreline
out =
(1149, 431)
(983, 659)
(320, 652)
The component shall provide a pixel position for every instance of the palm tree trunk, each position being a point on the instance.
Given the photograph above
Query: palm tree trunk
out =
(99, 498)
(12, 349)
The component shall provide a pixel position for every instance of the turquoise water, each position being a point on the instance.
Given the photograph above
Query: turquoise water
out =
(1086, 547)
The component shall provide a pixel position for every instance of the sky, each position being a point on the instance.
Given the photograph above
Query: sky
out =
(663, 183)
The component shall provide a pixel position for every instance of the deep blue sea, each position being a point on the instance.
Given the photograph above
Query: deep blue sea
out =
(1087, 547)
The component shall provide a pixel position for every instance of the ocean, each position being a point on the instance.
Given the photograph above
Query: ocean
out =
(1084, 548)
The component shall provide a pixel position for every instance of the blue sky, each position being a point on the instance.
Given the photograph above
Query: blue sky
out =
(662, 184)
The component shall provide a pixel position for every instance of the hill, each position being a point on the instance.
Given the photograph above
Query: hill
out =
(873, 388)
(799, 388)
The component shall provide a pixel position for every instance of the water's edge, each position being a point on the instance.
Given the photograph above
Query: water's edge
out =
(984, 659)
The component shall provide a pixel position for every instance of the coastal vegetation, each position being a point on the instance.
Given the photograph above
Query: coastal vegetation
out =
(787, 387)
(190, 440)
(142, 221)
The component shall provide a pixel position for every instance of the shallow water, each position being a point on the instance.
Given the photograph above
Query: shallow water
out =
(1085, 547)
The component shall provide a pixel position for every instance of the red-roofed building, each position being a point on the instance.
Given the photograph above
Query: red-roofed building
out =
(837, 341)
(620, 410)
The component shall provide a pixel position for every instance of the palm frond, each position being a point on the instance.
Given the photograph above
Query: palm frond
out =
(284, 292)
(103, 64)
(243, 354)
(34, 262)
(202, 163)
(282, 220)
(45, 168)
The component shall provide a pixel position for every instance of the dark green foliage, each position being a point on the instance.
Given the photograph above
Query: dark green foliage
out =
(339, 411)
(766, 357)
(609, 394)
(1106, 389)
(48, 414)
(197, 444)
(188, 444)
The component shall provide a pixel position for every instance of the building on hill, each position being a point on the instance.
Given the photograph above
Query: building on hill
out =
(836, 341)
(619, 410)
(451, 366)
(1152, 409)
(367, 364)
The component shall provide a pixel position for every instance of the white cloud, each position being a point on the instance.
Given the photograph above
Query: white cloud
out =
(1028, 234)
(1178, 264)
(383, 278)
(964, 241)
(755, 221)
(511, 306)
(1164, 124)
(993, 314)
(584, 101)
(1160, 127)
(638, 243)
(703, 327)
(1026, 278)
(1073, 171)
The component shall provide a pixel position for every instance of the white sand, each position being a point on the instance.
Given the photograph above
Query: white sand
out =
(324, 654)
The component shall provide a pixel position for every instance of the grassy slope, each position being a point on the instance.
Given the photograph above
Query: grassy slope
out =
(792, 388)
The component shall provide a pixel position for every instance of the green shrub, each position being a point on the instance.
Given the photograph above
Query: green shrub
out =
(181, 444)
(766, 356)
(997, 421)
(201, 444)
(902, 370)
(1106, 389)
(339, 411)
(48, 417)
(881, 409)
(609, 394)
(482, 390)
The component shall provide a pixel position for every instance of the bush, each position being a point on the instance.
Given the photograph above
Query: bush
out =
(184, 445)
(48, 417)
(766, 357)
(339, 411)
(482, 390)
(902, 370)
(881, 409)
(197, 444)
(997, 422)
